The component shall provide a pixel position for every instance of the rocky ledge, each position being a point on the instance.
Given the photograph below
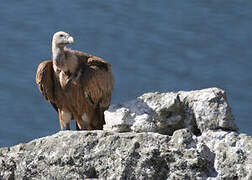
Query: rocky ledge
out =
(176, 135)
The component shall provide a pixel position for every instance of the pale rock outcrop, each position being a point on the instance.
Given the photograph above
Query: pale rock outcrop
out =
(179, 135)
(166, 112)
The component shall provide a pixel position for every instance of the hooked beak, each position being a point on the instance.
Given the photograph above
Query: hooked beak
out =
(70, 40)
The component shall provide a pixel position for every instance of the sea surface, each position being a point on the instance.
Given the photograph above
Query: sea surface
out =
(152, 46)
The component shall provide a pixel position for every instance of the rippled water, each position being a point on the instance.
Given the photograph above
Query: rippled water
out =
(152, 46)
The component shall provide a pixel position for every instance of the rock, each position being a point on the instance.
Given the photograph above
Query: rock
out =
(100, 154)
(178, 135)
(232, 153)
(166, 112)
(97, 154)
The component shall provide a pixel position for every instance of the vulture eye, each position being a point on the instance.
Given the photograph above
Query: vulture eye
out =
(61, 35)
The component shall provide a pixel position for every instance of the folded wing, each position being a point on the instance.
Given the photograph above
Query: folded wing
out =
(45, 82)
(97, 80)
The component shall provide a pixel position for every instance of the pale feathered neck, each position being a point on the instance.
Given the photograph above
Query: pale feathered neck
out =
(58, 56)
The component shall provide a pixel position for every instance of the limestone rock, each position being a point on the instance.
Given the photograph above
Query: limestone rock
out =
(164, 113)
(99, 154)
(111, 155)
(210, 109)
(178, 135)
(232, 153)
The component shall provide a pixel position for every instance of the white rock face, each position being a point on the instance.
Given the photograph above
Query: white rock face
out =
(164, 113)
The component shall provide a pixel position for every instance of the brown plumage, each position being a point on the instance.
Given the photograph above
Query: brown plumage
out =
(77, 84)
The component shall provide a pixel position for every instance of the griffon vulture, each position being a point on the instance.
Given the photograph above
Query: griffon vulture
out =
(78, 85)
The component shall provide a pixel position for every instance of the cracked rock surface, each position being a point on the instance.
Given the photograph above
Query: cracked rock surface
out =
(178, 135)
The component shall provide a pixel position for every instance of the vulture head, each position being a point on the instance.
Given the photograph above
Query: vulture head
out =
(61, 39)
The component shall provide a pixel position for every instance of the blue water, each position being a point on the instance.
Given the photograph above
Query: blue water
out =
(152, 46)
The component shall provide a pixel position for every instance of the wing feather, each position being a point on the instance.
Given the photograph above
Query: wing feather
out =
(45, 82)
(98, 81)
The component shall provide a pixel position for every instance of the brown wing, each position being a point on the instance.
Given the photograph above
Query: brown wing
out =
(98, 82)
(45, 82)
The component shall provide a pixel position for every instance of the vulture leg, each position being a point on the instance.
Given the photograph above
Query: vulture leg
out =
(77, 127)
(64, 119)
(60, 120)
(80, 124)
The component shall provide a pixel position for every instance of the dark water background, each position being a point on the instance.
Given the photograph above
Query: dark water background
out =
(152, 46)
